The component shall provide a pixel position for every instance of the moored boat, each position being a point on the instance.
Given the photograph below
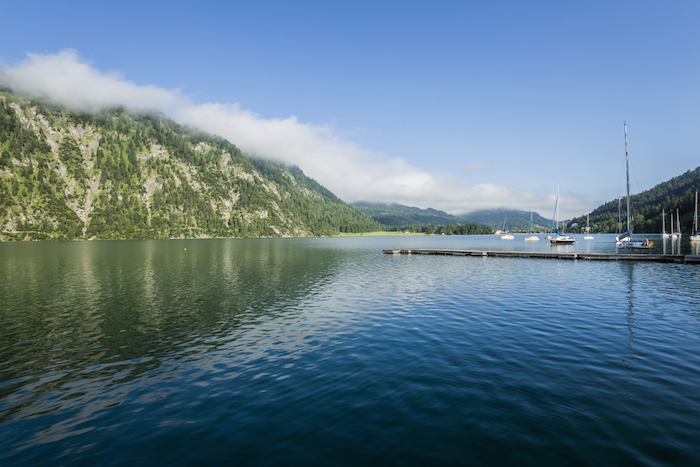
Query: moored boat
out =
(625, 241)
(588, 228)
(506, 235)
(559, 238)
(695, 235)
(531, 238)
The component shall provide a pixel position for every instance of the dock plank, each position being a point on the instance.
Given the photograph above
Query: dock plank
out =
(680, 259)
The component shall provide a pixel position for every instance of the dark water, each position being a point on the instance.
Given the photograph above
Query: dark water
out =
(328, 352)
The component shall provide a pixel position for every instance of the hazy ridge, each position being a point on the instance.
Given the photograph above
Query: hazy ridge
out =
(398, 215)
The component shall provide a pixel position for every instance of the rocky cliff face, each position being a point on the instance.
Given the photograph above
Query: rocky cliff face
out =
(66, 175)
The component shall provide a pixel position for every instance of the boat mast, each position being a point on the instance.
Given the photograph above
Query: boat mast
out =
(554, 214)
(627, 164)
(663, 222)
(695, 221)
(557, 208)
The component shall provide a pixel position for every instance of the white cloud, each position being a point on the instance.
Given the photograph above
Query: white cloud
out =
(351, 172)
(64, 79)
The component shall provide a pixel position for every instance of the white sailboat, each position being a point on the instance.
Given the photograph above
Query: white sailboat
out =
(588, 228)
(678, 224)
(695, 237)
(558, 239)
(663, 225)
(506, 235)
(624, 241)
(674, 235)
(531, 238)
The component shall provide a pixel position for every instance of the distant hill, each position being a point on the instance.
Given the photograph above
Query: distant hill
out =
(398, 215)
(677, 193)
(516, 220)
(404, 216)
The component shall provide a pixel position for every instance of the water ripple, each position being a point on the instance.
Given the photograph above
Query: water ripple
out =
(325, 351)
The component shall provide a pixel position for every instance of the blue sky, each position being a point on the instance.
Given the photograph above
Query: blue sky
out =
(451, 105)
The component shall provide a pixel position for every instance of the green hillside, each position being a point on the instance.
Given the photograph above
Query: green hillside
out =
(677, 193)
(516, 220)
(403, 216)
(116, 175)
(398, 217)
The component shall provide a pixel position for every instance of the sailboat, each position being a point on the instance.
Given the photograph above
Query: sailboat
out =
(678, 224)
(559, 239)
(663, 225)
(588, 228)
(624, 241)
(695, 237)
(674, 235)
(506, 235)
(531, 238)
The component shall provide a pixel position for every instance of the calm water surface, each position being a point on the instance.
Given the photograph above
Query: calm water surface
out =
(328, 352)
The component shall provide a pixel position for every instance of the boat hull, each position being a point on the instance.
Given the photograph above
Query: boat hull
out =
(628, 244)
(633, 247)
(562, 241)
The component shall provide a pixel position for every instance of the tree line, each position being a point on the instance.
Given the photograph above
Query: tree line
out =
(675, 195)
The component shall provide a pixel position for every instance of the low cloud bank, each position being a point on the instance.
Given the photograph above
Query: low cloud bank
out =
(351, 172)
(66, 80)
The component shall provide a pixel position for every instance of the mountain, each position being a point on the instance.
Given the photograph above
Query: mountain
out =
(403, 216)
(117, 175)
(398, 215)
(677, 193)
(517, 220)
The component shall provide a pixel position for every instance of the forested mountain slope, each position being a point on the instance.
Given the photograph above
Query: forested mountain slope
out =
(69, 175)
(677, 193)
(398, 215)
(403, 216)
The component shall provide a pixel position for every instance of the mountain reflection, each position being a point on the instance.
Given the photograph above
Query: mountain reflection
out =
(103, 313)
(260, 351)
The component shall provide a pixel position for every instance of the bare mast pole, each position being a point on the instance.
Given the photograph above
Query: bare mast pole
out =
(557, 208)
(696, 227)
(627, 163)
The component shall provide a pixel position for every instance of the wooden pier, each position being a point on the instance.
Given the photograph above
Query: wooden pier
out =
(680, 259)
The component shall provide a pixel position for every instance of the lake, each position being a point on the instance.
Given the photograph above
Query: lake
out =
(328, 352)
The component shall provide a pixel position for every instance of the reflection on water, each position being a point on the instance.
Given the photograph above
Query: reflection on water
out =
(632, 355)
(116, 310)
(327, 351)
(678, 246)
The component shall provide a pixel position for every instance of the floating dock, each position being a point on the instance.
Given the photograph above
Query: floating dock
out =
(679, 259)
